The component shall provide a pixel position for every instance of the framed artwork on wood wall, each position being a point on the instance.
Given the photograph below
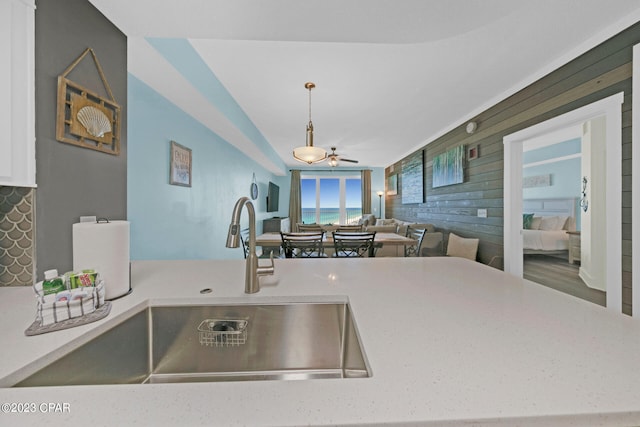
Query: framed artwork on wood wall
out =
(180, 169)
(473, 152)
(392, 185)
(413, 178)
(448, 167)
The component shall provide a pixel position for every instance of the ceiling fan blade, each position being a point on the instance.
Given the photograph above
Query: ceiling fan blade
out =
(348, 160)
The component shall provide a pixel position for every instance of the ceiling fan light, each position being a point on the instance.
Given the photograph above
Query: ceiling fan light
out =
(309, 154)
(333, 162)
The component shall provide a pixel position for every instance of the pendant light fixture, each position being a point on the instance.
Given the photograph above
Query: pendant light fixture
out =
(309, 154)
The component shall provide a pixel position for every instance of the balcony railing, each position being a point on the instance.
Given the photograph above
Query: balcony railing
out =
(331, 215)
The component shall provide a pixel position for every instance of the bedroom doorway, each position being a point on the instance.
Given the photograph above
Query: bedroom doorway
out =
(553, 167)
(610, 109)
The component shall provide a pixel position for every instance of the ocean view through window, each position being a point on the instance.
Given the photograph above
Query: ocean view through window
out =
(335, 200)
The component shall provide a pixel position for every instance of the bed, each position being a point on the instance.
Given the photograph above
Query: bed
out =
(545, 225)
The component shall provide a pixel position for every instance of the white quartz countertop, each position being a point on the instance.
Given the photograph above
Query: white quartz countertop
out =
(449, 342)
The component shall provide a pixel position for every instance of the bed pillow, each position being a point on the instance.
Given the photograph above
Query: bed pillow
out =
(562, 222)
(535, 223)
(526, 221)
(549, 223)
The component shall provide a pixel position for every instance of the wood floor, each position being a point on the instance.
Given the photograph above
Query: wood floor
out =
(558, 274)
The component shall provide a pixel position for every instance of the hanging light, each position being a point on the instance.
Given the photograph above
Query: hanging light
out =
(309, 154)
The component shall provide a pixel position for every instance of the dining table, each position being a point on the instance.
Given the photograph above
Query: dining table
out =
(389, 244)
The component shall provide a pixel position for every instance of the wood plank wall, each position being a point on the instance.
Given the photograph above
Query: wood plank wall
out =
(601, 72)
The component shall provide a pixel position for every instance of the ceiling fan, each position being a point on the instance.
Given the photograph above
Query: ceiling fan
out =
(334, 157)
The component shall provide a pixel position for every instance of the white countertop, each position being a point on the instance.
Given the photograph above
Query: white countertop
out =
(449, 342)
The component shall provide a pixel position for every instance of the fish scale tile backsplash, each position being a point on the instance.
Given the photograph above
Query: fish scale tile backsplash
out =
(17, 236)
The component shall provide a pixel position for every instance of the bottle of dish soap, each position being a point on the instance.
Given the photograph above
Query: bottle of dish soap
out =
(52, 282)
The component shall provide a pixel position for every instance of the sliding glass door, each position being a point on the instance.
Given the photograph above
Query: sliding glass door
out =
(334, 200)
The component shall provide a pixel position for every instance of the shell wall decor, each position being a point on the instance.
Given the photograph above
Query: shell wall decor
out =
(94, 121)
(84, 118)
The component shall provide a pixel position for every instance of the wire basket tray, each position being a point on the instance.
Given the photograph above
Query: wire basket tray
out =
(222, 332)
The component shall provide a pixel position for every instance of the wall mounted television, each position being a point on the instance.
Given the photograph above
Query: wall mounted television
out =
(273, 197)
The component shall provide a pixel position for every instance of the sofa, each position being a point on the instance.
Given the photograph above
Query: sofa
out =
(367, 220)
(432, 243)
(400, 225)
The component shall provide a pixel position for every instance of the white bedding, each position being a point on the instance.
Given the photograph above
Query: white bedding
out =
(545, 240)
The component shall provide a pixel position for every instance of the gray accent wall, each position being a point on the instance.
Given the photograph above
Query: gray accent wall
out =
(74, 181)
(601, 72)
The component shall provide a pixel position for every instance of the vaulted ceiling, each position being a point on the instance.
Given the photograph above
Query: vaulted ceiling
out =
(390, 75)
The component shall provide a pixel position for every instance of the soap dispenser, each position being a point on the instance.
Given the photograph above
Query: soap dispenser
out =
(53, 283)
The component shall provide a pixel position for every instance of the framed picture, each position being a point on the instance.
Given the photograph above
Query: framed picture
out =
(84, 118)
(392, 185)
(448, 167)
(472, 152)
(536, 181)
(413, 178)
(180, 169)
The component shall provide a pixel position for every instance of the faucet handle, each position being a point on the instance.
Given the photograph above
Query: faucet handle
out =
(266, 270)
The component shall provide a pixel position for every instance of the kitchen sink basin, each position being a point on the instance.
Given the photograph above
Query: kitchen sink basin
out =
(208, 343)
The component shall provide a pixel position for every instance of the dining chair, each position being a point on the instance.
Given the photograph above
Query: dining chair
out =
(303, 245)
(244, 239)
(354, 244)
(304, 228)
(352, 228)
(417, 234)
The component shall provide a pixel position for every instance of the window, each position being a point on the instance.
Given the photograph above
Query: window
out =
(335, 200)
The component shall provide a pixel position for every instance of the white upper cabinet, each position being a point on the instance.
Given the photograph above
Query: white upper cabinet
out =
(17, 93)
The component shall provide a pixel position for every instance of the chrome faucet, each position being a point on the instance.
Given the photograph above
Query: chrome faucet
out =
(253, 270)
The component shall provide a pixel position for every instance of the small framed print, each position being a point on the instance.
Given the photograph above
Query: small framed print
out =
(472, 152)
(392, 185)
(180, 169)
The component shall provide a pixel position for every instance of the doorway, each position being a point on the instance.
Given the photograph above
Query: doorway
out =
(610, 109)
(558, 251)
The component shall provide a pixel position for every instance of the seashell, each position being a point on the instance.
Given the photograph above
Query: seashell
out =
(94, 121)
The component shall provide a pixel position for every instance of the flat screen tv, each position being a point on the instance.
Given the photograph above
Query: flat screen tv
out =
(273, 197)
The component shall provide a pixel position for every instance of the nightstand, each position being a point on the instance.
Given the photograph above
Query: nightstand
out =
(574, 246)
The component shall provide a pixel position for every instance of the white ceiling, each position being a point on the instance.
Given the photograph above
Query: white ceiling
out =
(391, 75)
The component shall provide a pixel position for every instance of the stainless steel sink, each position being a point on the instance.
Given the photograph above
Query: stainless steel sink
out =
(204, 343)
